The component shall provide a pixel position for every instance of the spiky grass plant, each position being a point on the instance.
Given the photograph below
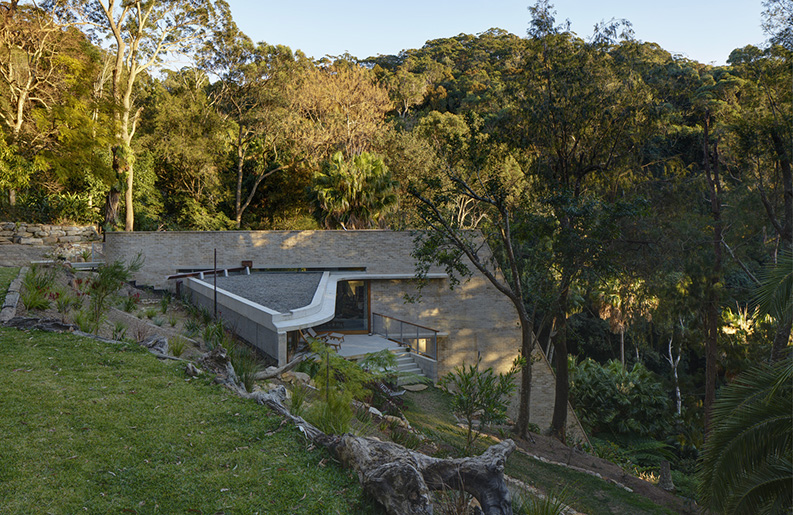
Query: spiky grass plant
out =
(177, 345)
(245, 364)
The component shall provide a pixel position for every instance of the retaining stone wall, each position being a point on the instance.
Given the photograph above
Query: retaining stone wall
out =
(42, 234)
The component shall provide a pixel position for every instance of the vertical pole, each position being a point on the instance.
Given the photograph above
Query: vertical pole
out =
(215, 303)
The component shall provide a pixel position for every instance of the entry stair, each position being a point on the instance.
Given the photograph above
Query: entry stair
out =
(409, 372)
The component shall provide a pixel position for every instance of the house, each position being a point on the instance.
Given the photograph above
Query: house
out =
(351, 282)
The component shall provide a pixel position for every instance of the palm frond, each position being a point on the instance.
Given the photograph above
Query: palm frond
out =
(745, 464)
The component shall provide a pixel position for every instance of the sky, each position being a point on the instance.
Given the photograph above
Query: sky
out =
(701, 30)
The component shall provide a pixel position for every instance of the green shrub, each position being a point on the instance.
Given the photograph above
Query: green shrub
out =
(39, 279)
(65, 302)
(479, 393)
(85, 321)
(150, 313)
(611, 399)
(130, 302)
(119, 331)
(300, 393)
(106, 283)
(215, 335)
(191, 328)
(332, 413)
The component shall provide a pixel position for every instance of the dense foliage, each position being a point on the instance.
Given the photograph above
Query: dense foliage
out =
(612, 399)
(637, 202)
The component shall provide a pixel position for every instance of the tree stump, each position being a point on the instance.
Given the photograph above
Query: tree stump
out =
(399, 478)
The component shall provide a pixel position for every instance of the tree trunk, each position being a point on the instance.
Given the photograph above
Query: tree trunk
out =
(559, 421)
(129, 220)
(622, 347)
(238, 191)
(110, 210)
(400, 479)
(713, 295)
(527, 347)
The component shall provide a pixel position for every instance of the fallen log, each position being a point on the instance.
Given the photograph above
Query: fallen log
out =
(401, 479)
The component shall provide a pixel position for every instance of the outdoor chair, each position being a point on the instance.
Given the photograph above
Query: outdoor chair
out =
(332, 339)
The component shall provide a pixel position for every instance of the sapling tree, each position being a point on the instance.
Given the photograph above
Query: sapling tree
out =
(481, 394)
(103, 287)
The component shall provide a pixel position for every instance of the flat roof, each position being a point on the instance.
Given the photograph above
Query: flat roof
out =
(279, 291)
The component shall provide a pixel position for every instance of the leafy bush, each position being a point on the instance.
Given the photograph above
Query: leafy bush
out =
(481, 393)
(611, 399)
(85, 321)
(332, 413)
(65, 302)
(119, 331)
(215, 335)
(131, 302)
(191, 328)
(636, 455)
(106, 283)
(39, 279)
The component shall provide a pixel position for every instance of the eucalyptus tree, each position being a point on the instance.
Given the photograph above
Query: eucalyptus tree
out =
(478, 191)
(576, 120)
(341, 108)
(253, 93)
(762, 124)
(187, 141)
(143, 33)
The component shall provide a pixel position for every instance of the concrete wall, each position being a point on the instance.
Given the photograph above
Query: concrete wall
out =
(250, 323)
(478, 319)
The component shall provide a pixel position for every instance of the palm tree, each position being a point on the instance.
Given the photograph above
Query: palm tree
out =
(774, 296)
(354, 194)
(747, 462)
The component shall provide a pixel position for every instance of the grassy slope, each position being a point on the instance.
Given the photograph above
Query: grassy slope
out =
(102, 428)
(429, 411)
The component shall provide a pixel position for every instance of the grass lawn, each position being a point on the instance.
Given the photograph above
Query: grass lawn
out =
(429, 411)
(7, 274)
(91, 427)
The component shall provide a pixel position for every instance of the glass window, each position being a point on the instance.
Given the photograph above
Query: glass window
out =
(352, 307)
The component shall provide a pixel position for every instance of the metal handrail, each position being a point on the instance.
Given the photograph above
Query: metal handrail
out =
(425, 344)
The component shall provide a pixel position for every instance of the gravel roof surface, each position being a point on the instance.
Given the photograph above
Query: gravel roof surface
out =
(281, 291)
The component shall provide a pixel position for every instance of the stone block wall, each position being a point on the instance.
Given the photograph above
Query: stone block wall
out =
(43, 234)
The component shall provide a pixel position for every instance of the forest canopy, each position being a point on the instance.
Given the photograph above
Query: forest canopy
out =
(648, 197)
